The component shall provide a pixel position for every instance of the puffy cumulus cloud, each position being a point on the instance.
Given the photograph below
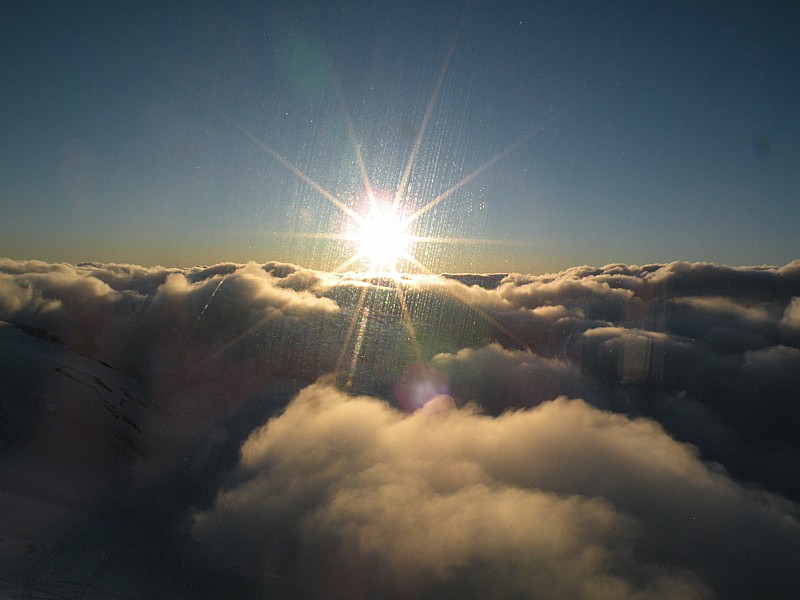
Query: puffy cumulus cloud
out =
(496, 378)
(739, 410)
(345, 496)
(641, 340)
(790, 322)
(619, 292)
(487, 281)
(196, 358)
(651, 336)
(120, 313)
(122, 277)
(20, 267)
(724, 324)
(597, 298)
(206, 346)
(747, 284)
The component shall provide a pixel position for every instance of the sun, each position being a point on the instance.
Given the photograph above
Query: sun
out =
(383, 228)
(381, 239)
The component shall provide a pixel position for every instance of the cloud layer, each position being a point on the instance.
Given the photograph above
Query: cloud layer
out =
(615, 432)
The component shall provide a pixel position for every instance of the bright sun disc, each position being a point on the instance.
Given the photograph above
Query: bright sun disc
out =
(381, 240)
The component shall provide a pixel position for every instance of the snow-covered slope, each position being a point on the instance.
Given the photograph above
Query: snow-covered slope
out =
(60, 405)
(95, 475)
(71, 428)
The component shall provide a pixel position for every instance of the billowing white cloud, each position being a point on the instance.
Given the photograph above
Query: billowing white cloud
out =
(558, 501)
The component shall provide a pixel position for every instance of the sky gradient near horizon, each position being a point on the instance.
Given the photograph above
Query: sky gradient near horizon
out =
(649, 134)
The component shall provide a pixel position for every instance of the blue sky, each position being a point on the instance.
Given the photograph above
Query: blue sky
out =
(652, 133)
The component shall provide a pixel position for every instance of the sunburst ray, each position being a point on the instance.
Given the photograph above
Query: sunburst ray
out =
(437, 88)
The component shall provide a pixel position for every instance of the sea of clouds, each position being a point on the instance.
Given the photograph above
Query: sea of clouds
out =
(266, 430)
